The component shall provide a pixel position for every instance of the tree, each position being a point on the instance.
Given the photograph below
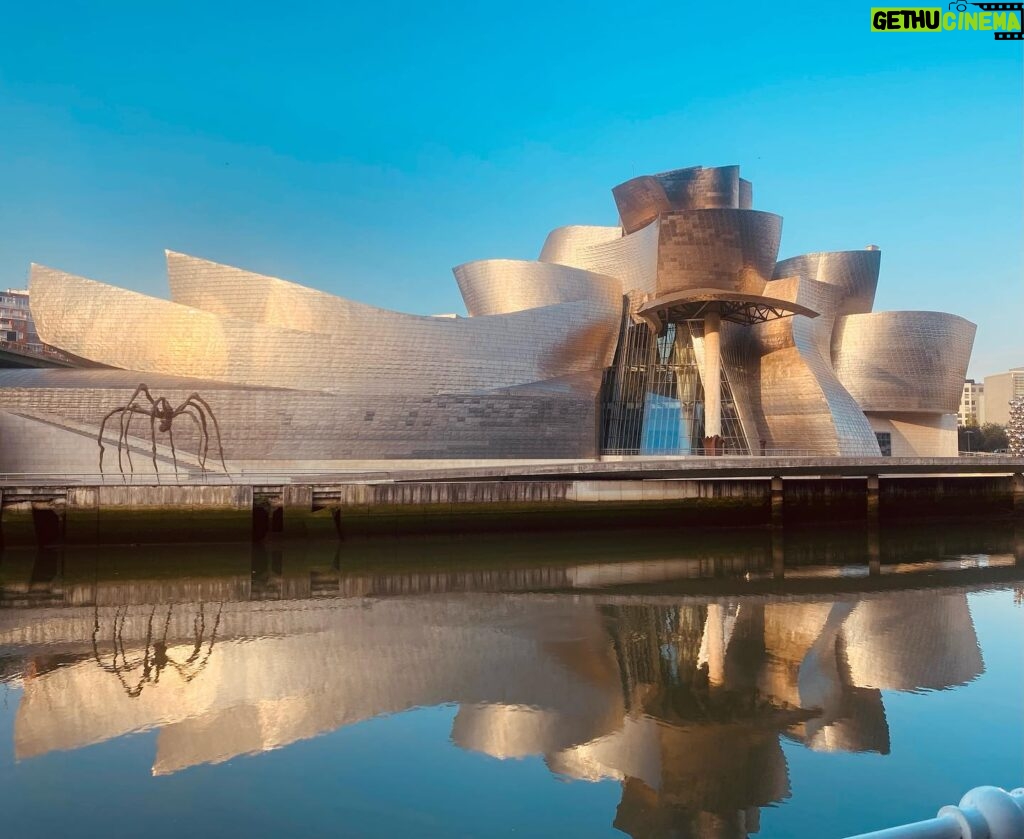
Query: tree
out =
(990, 437)
(994, 437)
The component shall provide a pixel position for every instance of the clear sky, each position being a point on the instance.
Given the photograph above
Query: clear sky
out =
(367, 148)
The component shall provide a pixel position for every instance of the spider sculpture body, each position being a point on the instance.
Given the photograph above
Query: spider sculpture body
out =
(161, 415)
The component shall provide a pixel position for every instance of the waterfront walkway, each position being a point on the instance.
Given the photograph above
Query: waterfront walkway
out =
(618, 468)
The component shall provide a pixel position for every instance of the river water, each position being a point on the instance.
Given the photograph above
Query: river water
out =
(812, 684)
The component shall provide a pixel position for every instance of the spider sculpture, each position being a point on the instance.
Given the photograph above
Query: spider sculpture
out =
(161, 415)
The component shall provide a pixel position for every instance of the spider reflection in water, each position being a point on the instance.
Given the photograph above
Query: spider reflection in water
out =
(136, 671)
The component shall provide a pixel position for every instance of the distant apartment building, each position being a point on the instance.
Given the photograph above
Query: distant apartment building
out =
(20, 344)
(972, 404)
(999, 390)
(17, 329)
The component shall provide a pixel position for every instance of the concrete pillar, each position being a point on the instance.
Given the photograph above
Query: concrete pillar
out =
(712, 375)
(778, 500)
(300, 517)
(1017, 482)
(872, 500)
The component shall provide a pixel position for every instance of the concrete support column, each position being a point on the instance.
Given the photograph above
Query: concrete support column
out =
(712, 375)
(778, 501)
(872, 500)
(1018, 494)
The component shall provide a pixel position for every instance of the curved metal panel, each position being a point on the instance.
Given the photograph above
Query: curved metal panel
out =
(631, 259)
(903, 361)
(702, 187)
(746, 195)
(642, 199)
(854, 273)
(230, 292)
(500, 286)
(563, 244)
(729, 250)
(802, 403)
(125, 329)
(349, 351)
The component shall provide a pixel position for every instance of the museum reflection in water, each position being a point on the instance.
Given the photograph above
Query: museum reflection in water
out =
(675, 672)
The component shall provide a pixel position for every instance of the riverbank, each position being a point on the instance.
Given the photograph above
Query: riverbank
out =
(655, 494)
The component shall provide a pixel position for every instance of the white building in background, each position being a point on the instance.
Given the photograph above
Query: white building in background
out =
(999, 390)
(972, 404)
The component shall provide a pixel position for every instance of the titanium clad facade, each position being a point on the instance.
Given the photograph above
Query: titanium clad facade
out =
(725, 250)
(903, 361)
(632, 259)
(279, 428)
(854, 273)
(597, 347)
(564, 243)
(410, 354)
(229, 292)
(906, 371)
(641, 200)
(803, 403)
(501, 286)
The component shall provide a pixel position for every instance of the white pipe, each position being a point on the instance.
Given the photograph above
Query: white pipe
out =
(712, 375)
(984, 813)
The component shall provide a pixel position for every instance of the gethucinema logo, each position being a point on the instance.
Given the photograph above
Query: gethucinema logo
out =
(1001, 19)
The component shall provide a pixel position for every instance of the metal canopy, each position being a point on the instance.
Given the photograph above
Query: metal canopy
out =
(737, 307)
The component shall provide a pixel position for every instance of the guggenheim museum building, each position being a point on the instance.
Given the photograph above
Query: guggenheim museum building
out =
(677, 332)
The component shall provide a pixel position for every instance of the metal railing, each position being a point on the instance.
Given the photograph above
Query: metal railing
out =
(504, 469)
(44, 351)
(984, 813)
(191, 478)
(702, 453)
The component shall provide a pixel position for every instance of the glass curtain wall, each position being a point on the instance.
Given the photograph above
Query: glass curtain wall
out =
(653, 396)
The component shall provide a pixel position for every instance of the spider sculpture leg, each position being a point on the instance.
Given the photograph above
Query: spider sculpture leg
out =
(126, 420)
(130, 412)
(103, 426)
(163, 411)
(204, 438)
(174, 453)
(206, 409)
(130, 407)
(128, 449)
(152, 437)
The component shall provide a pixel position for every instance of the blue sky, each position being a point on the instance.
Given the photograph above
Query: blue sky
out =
(367, 148)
